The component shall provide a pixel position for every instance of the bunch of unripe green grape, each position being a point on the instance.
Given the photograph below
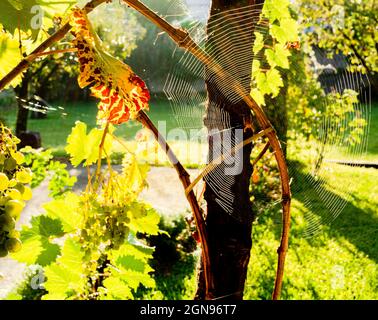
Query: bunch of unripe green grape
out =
(107, 224)
(14, 191)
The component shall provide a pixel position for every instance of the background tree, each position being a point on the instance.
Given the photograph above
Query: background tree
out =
(229, 233)
(348, 27)
(155, 48)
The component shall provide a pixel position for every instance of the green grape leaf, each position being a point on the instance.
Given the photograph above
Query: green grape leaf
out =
(143, 219)
(67, 211)
(134, 279)
(139, 251)
(13, 296)
(30, 16)
(278, 33)
(117, 289)
(261, 83)
(287, 31)
(9, 56)
(256, 64)
(259, 42)
(291, 27)
(276, 10)
(61, 181)
(65, 276)
(135, 174)
(131, 263)
(16, 3)
(82, 147)
(266, 83)
(274, 82)
(258, 96)
(278, 57)
(37, 247)
(71, 255)
(130, 269)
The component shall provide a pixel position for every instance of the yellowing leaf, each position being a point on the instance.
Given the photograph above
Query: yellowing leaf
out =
(259, 42)
(67, 210)
(30, 16)
(274, 81)
(9, 56)
(66, 276)
(117, 289)
(135, 174)
(121, 91)
(82, 147)
(258, 96)
(278, 57)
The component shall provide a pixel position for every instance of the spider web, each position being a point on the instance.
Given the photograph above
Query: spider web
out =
(186, 92)
(185, 89)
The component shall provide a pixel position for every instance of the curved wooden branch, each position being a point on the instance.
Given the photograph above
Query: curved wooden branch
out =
(261, 154)
(58, 35)
(183, 40)
(144, 119)
(197, 211)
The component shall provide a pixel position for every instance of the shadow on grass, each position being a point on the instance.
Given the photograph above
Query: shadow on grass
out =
(173, 259)
(359, 227)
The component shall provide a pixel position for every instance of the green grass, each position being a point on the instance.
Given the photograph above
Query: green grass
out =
(55, 129)
(57, 126)
(340, 261)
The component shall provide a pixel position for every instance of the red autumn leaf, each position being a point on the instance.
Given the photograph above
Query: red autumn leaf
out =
(122, 93)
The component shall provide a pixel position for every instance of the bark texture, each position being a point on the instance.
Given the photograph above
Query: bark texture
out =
(229, 234)
(22, 92)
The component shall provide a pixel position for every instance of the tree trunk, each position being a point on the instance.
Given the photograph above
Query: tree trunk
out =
(22, 92)
(229, 230)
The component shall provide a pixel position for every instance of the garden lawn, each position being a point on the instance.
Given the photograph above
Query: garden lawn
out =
(340, 261)
(58, 124)
(55, 129)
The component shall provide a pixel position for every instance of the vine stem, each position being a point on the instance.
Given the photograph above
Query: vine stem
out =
(184, 177)
(261, 154)
(100, 150)
(32, 57)
(58, 35)
(183, 40)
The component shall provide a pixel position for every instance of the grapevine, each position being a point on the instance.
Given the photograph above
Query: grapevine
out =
(102, 256)
(14, 191)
